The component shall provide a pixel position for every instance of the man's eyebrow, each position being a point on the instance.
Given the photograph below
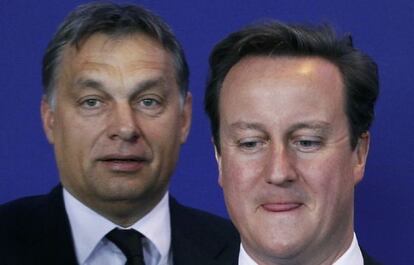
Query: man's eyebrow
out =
(154, 83)
(321, 126)
(83, 83)
(88, 83)
(242, 125)
(158, 82)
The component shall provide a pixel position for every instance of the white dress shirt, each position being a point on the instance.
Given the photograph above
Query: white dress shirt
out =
(352, 256)
(93, 248)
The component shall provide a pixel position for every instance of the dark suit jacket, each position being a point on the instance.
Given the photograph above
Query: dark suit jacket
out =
(368, 260)
(35, 230)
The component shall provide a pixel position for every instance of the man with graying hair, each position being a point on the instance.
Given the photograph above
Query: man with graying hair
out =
(290, 109)
(116, 108)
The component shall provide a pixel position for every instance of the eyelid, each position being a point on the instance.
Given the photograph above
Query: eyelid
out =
(82, 101)
(314, 143)
(256, 143)
(155, 108)
(154, 98)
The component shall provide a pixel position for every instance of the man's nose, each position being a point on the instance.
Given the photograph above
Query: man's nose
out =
(281, 167)
(124, 124)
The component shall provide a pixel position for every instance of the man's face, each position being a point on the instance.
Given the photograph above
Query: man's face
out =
(118, 122)
(286, 165)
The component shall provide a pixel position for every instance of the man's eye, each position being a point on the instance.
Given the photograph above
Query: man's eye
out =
(308, 145)
(250, 145)
(149, 102)
(91, 103)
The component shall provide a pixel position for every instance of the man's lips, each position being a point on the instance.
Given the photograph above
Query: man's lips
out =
(281, 207)
(123, 163)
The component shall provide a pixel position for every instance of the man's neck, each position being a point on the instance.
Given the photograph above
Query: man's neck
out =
(123, 212)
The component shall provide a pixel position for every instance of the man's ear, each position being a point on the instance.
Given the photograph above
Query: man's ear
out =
(361, 154)
(48, 119)
(218, 159)
(186, 117)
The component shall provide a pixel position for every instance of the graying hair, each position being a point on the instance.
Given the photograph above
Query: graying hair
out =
(116, 21)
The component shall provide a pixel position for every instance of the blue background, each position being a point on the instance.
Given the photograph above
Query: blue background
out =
(383, 29)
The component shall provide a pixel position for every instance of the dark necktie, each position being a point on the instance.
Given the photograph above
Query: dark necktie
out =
(129, 242)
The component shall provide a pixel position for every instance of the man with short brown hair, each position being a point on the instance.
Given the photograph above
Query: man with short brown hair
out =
(290, 108)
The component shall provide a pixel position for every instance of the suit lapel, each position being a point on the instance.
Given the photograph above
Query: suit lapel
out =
(367, 259)
(186, 252)
(191, 241)
(54, 244)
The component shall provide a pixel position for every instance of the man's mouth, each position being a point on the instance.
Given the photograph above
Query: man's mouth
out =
(281, 206)
(121, 163)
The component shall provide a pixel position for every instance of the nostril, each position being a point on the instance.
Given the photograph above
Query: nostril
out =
(128, 134)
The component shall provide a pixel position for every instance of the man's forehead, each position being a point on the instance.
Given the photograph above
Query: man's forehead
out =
(101, 44)
(102, 51)
(106, 63)
(278, 74)
(288, 92)
(304, 64)
(114, 38)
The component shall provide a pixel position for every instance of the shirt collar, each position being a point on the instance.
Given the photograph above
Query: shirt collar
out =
(244, 258)
(88, 227)
(156, 226)
(352, 255)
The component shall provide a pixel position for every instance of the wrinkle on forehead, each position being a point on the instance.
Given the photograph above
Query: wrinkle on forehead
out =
(125, 59)
(138, 51)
